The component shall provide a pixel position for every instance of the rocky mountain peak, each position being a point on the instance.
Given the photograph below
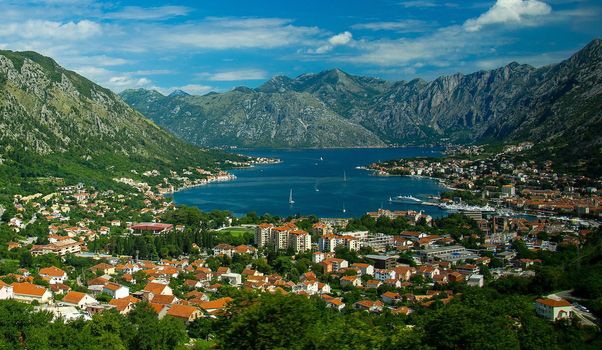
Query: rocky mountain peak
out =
(178, 93)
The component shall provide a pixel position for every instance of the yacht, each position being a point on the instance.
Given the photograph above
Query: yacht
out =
(404, 199)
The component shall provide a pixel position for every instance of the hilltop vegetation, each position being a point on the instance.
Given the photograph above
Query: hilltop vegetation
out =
(55, 123)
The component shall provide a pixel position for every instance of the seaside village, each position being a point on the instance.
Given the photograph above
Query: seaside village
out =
(360, 270)
(506, 182)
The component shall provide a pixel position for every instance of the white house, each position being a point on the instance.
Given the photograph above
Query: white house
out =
(116, 291)
(233, 279)
(351, 281)
(309, 287)
(28, 292)
(6, 291)
(553, 309)
(53, 275)
(383, 275)
(364, 269)
(80, 300)
(476, 280)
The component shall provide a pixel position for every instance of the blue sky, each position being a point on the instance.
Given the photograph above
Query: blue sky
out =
(202, 46)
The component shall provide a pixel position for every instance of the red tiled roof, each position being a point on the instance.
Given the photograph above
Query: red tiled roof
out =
(215, 304)
(181, 311)
(27, 288)
(73, 297)
(52, 272)
(553, 302)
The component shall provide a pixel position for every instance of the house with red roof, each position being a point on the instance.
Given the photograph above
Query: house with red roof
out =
(28, 292)
(53, 275)
(369, 305)
(115, 290)
(391, 297)
(78, 299)
(6, 291)
(215, 306)
(335, 303)
(153, 289)
(553, 309)
(124, 305)
(184, 312)
(350, 281)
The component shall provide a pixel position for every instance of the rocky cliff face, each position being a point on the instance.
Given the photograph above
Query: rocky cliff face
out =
(514, 102)
(250, 118)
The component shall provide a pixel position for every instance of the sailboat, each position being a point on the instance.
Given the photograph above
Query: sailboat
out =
(290, 198)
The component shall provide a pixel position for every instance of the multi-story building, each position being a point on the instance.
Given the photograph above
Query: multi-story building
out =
(262, 234)
(282, 237)
(329, 242)
(378, 241)
(61, 248)
(299, 240)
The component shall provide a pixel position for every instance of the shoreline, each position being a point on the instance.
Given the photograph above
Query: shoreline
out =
(326, 148)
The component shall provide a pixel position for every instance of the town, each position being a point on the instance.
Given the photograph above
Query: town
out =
(506, 182)
(78, 252)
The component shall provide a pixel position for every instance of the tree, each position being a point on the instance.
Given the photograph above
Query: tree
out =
(460, 327)
(200, 328)
(261, 325)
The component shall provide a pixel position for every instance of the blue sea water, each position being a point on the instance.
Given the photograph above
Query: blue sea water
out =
(319, 186)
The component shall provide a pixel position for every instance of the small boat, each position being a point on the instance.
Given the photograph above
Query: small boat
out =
(405, 199)
(321, 159)
(316, 188)
(344, 210)
(290, 198)
(464, 207)
(344, 176)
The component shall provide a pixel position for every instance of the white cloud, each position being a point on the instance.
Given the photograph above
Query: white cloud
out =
(508, 11)
(536, 60)
(193, 89)
(442, 45)
(152, 72)
(127, 82)
(41, 29)
(116, 81)
(403, 26)
(418, 4)
(235, 75)
(97, 60)
(340, 39)
(335, 40)
(148, 13)
(231, 33)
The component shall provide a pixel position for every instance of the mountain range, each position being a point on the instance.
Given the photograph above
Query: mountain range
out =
(558, 106)
(56, 123)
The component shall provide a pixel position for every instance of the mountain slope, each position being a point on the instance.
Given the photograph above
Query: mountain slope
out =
(248, 118)
(54, 122)
(559, 106)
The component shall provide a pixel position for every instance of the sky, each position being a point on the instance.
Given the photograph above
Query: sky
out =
(202, 46)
